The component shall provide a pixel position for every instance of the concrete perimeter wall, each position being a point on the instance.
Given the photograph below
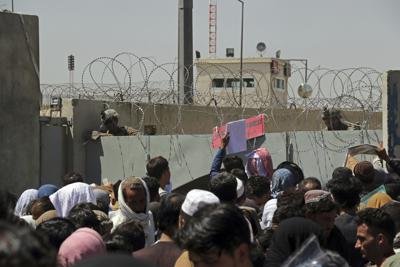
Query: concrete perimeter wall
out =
(19, 102)
(190, 156)
(192, 120)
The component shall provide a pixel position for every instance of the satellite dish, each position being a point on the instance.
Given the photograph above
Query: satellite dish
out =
(261, 48)
(305, 90)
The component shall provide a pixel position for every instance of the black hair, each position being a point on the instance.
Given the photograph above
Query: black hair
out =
(126, 238)
(155, 167)
(223, 185)
(341, 172)
(87, 205)
(81, 215)
(232, 162)
(290, 203)
(393, 209)
(393, 166)
(215, 229)
(324, 205)
(72, 177)
(115, 188)
(257, 186)
(257, 256)
(311, 180)
(7, 204)
(153, 185)
(345, 191)
(377, 221)
(265, 238)
(291, 197)
(102, 226)
(393, 190)
(40, 206)
(24, 247)
(56, 230)
(168, 214)
(293, 168)
(240, 174)
(286, 212)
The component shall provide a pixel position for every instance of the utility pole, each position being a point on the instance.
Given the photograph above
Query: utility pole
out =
(185, 52)
(241, 56)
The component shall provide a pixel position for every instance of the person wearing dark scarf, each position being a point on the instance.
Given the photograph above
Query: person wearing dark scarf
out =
(289, 237)
(282, 180)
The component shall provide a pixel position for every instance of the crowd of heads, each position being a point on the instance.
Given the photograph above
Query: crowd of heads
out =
(249, 214)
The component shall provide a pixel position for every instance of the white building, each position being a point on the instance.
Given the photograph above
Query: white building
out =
(264, 81)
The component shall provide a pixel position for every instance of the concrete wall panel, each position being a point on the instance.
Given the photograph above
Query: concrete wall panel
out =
(19, 101)
(190, 156)
(187, 120)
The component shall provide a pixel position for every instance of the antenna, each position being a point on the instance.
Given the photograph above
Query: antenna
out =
(261, 48)
(212, 28)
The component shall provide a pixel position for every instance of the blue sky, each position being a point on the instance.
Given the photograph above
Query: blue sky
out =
(332, 34)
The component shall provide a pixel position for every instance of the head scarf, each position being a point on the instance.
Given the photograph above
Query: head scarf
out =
(70, 195)
(378, 200)
(46, 190)
(125, 213)
(289, 237)
(282, 179)
(313, 196)
(259, 163)
(114, 259)
(83, 243)
(26, 197)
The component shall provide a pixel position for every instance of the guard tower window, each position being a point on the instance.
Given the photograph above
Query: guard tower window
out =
(279, 84)
(248, 83)
(233, 83)
(218, 83)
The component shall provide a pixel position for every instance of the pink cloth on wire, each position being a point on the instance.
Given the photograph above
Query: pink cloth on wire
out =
(82, 244)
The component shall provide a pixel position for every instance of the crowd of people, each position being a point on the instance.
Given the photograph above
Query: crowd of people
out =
(252, 214)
